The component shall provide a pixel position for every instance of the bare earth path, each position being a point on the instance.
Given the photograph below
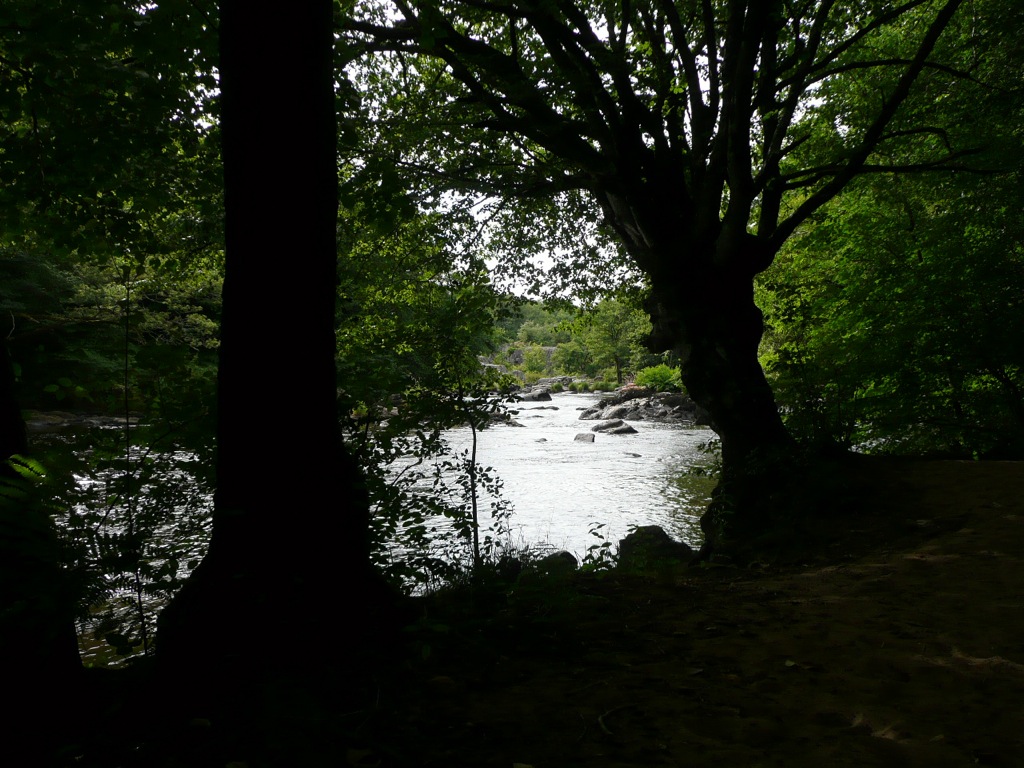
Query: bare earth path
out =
(905, 649)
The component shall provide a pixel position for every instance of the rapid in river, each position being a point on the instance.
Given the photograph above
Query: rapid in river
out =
(561, 488)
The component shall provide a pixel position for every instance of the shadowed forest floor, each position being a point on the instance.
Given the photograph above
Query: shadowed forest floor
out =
(901, 644)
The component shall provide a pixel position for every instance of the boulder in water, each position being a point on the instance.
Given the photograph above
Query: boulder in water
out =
(534, 396)
(614, 427)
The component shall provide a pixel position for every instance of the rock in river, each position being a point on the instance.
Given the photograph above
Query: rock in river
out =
(639, 404)
(614, 427)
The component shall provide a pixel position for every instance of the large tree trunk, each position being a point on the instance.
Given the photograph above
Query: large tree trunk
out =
(718, 329)
(710, 319)
(290, 535)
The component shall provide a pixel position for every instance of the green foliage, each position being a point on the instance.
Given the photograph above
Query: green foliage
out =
(416, 317)
(98, 542)
(101, 329)
(892, 319)
(111, 202)
(610, 335)
(600, 555)
(573, 358)
(101, 130)
(662, 378)
(613, 332)
(878, 343)
(536, 361)
(110, 281)
(132, 525)
(538, 324)
(35, 592)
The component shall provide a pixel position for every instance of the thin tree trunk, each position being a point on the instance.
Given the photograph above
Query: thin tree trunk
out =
(13, 438)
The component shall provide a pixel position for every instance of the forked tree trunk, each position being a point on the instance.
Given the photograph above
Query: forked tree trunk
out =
(711, 320)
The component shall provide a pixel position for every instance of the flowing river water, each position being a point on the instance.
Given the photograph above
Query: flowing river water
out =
(563, 492)
(561, 488)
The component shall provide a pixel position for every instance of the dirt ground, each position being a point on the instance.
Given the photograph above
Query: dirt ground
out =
(901, 645)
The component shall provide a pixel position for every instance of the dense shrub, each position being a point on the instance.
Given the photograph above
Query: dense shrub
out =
(663, 378)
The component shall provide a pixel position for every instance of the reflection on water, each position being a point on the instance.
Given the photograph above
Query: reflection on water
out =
(134, 524)
(561, 488)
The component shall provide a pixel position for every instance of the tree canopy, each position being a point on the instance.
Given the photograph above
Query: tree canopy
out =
(893, 313)
(819, 203)
(704, 133)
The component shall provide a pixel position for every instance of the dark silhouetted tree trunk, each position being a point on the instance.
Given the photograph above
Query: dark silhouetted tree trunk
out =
(290, 538)
(37, 605)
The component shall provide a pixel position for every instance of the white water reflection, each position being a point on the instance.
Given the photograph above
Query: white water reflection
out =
(560, 487)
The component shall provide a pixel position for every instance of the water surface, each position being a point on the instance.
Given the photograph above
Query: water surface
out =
(561, 488)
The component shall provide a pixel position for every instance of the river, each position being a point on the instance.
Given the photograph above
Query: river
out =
(561, 488)
(562, 492)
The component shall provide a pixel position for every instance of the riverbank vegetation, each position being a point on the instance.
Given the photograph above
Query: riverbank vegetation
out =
(285, 276)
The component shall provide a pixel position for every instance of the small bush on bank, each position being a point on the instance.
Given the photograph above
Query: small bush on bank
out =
(662, 378)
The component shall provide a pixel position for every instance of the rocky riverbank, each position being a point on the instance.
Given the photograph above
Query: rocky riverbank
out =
(632, 403)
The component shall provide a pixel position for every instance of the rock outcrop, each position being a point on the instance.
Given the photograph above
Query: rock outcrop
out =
(533, 396)
(649, 546)
(639, 404)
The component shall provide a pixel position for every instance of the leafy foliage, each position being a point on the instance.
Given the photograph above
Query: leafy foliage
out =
(893, 316)
(877, 342)
(109, 274)
(131, 527)
(417, 315)
(663, 378)
(100, 132)
(615, 333)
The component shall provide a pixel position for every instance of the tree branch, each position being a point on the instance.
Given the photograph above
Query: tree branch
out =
(875, 131)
